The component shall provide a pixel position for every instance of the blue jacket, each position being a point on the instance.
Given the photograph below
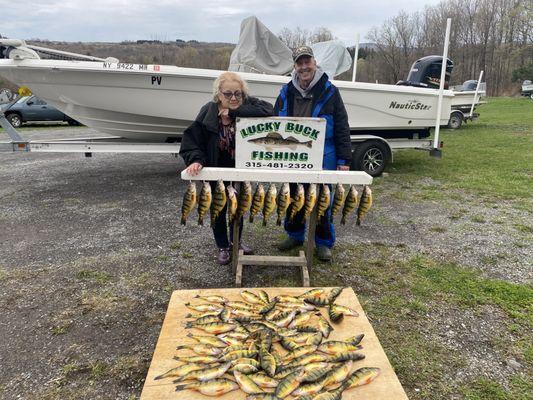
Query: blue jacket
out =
(328, 104)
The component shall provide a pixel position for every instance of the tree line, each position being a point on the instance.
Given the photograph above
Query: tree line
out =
(494, 36)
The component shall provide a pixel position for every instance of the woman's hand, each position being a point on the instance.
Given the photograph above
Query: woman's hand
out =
(223, 113)
(194, 168)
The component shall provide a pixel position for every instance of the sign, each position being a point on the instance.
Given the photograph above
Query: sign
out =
(280, 143)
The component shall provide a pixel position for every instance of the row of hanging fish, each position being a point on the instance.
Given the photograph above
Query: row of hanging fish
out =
(267, 202)
(270, 348)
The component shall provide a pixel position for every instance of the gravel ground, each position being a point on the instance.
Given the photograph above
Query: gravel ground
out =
(92, 248)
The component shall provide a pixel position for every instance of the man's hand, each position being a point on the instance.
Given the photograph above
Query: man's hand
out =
(343, 167)
(194, 168)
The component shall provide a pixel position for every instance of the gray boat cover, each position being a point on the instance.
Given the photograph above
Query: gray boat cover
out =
(260, 51)
(332, 57)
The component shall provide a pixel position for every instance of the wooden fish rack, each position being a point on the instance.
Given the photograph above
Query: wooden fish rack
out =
(304, 259)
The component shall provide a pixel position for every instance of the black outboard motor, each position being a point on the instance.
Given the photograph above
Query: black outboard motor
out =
(425, 73)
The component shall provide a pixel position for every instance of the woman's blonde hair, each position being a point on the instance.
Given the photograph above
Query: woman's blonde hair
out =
(231, 77)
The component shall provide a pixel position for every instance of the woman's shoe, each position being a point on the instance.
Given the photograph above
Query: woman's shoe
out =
(224, 256)
(247, 250)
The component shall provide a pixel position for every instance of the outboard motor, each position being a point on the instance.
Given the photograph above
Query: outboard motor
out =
(425, 72)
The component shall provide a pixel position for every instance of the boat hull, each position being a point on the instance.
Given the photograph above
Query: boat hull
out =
(156, 103)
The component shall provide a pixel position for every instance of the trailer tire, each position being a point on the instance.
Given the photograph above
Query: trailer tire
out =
(456, 120)
(14, 119)
(371, 157)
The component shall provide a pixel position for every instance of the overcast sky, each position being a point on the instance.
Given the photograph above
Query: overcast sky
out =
(203, 20)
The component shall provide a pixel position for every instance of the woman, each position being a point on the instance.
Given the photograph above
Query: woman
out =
(210, 141)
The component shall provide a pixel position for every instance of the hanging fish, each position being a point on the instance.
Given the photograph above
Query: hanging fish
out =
(219, 201)
(204, 202)
(270, 203)
(231, 199)
(338, 199)
(258, 201)
(283, 201)
(324, 200)
(364, 204)
(245, 199)
(310, 200)
(297, 202)
(352, 199)
(189, 201)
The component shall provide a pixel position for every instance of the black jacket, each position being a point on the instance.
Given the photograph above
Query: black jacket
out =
(200, 140)
(334, 107)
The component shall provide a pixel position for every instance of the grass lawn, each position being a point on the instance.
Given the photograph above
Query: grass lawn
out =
(491, 158)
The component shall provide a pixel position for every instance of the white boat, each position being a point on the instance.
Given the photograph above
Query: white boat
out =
(465, 95)
(157, 102)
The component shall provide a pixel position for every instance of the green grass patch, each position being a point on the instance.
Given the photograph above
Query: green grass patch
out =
(93, 275)
(98, 369)
(59, 330)
(467, 288)
(524, 228)
(484, 389)
(488, 158)
(175, 246)
(162, 258)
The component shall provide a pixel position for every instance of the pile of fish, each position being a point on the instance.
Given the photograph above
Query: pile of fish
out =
(270, 348)
(266, 202)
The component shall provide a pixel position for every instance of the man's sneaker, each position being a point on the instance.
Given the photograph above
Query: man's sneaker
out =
(289, 244)
(224, 256)
(247, 250)
(323, 253)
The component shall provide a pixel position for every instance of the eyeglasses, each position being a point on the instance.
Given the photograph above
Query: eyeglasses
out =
(229, 95)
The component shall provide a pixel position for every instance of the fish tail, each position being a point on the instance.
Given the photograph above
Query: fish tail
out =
(251, 218)
(343, 220)
(180, 387)
(264, 222)
(183, 221)
(358, 222)
(200, 221)
(181, 347)
(278, 222)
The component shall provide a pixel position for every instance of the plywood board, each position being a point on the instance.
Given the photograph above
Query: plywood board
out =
(173, 333)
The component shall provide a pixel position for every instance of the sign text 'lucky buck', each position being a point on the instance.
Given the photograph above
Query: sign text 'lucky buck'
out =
(280, 143)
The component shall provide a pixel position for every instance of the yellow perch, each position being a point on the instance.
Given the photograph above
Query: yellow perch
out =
(269, 206)
(219, 201)
(214, 387)
(189, 201)
(258, 201)
(364, 204)
(204, 202)
(350, 203)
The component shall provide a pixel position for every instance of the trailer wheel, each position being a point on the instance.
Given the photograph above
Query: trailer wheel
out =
(456, 120)
(371, 157)
(14, 120)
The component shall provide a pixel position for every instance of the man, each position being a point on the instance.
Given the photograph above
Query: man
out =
(311, 94)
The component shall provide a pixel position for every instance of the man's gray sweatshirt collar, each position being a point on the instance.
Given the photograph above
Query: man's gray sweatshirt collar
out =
(305, 93)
